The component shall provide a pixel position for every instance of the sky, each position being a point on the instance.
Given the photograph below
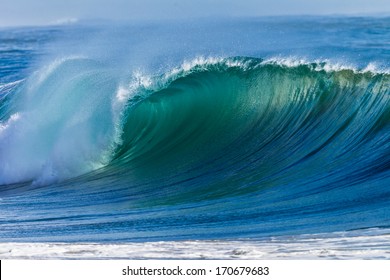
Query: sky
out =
(43, 12)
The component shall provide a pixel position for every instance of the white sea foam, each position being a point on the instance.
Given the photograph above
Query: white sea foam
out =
(8, 86)
(375, 68)
(364, 244)
(188, 65)
(326, 65)
(63, 124)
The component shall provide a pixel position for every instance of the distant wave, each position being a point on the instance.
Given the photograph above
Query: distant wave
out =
(65, 21)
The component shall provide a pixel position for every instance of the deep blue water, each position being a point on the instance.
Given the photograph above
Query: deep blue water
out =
(204, 129)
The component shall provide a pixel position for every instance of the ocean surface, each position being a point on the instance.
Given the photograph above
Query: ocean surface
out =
(198, 133)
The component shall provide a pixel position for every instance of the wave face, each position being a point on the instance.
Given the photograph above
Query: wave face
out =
(257, 123)
(215, 148)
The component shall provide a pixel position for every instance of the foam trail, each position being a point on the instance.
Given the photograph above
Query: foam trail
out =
(363, 244)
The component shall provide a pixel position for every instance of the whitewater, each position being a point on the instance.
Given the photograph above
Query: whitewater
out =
(224, 138)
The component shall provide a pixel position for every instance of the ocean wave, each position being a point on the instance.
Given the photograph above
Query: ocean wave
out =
(268, 119)
(260, 121)
(214, 148)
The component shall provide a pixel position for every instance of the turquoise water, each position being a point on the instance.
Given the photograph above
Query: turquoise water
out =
(214, 129)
